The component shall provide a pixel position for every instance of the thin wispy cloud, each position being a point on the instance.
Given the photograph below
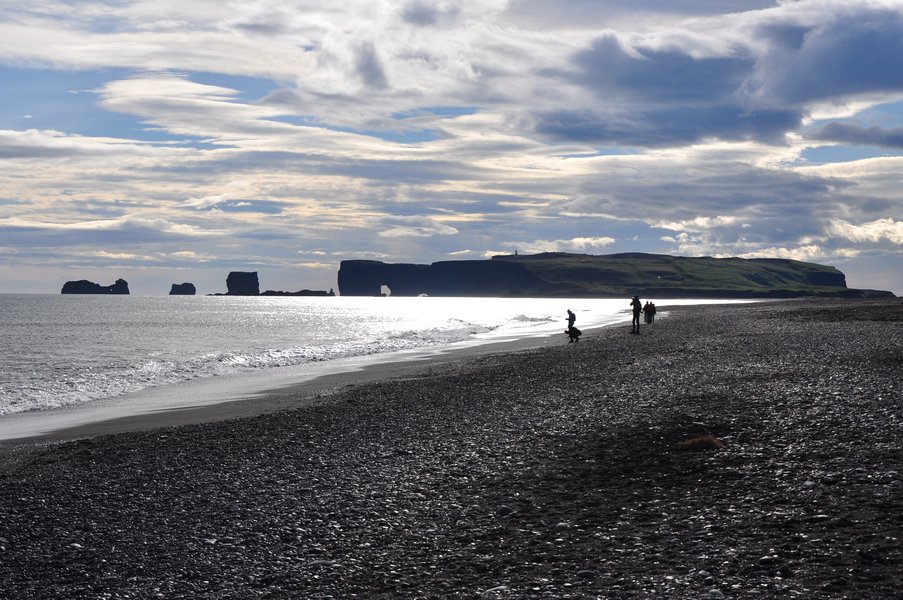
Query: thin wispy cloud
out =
(161, 134)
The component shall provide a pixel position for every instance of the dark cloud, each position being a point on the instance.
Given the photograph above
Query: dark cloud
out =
(658, 77)
(370, 68)
(663, 98)
(659, 92)
(848, 53)
(861, 136)
(664, 127)
(778, 207)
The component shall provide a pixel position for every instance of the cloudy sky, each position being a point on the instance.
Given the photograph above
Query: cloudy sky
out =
(165, 141)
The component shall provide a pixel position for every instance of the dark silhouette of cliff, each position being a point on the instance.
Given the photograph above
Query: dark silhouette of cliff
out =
(452, 278)
(240, 283)
(83, 286)
(182, 289)
(606, 276)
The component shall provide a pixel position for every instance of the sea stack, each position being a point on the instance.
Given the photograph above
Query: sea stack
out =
(240, 283)
(83, 286)
(182, 289)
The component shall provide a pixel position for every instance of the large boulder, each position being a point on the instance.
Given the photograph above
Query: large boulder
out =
(83, 286)
(240, 283)
(183, 289)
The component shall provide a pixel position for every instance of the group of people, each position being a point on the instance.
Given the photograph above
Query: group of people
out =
(649, 311)
(638, 307)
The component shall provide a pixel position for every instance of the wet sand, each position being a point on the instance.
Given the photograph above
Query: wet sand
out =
(546, 473)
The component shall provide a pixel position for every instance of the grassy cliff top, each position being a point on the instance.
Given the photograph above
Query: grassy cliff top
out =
(615, 273)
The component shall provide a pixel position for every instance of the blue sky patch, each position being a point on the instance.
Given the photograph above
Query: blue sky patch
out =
(266, 207)
(836, 154)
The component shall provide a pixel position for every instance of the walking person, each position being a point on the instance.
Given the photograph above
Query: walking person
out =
(637, 309)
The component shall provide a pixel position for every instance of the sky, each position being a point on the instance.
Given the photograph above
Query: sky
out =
(165, 141)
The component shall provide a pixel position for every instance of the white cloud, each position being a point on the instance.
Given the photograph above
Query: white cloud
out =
(39, 144)
(803, 253)
(129, 223)
(316, 265)
(584, 245)
(190, 255)
(395, 227)
(127, 256)
(874, 231)
(208, 201)
(192, 46)
(697, 224)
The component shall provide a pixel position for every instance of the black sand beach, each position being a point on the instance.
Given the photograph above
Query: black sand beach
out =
(548, 473)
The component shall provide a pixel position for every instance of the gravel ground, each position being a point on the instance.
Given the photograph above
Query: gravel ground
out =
(554, 473)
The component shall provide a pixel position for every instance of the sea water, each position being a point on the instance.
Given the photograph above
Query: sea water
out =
(64, 350)
(59, 351)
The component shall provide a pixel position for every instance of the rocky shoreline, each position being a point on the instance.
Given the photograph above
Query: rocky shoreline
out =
(551, 473)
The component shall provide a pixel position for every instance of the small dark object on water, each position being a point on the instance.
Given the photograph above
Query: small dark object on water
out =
(701, 442)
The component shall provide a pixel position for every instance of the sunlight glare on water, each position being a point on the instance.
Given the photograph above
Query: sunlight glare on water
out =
(64, 350)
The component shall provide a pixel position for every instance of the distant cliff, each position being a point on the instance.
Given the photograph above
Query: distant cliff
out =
(83, 286)
(613, 275)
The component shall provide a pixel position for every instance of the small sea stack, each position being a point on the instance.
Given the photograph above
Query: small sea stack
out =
(83, 286)
(183, 289)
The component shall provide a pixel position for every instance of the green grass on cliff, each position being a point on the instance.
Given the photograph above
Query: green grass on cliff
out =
(617, 273)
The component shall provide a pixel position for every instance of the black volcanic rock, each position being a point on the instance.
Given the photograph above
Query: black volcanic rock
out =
(240, 283)
(605, 276)
(182, 289)
(450, 278)
(83, 286)
(298, 293)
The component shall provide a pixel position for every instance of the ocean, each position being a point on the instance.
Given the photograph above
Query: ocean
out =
(64, 351)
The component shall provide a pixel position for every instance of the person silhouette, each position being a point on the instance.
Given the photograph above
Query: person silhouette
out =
(637, 309)
(573, 332)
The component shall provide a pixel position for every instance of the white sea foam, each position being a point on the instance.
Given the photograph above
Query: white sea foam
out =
(60, 351)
